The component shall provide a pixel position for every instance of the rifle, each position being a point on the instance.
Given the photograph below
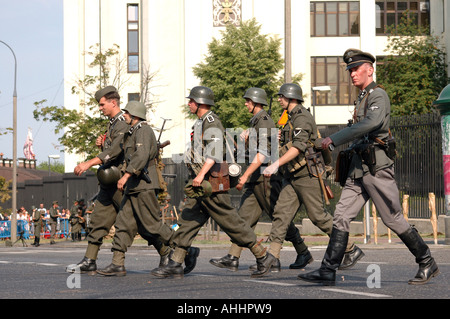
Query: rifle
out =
(164, 144)
(317, 168)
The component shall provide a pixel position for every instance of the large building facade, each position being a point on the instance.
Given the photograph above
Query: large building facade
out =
(167, 38)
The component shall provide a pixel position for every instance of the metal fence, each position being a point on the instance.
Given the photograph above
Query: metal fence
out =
(418, 166)
(25, 230)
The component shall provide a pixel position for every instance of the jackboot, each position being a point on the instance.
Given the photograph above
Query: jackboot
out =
(229, 262)
(37, 240)
(326, 274)
(191, 259)
(351, 257)
(427, 265)
(86, 265)
(276, 267)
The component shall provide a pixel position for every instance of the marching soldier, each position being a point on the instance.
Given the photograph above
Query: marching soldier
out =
(300, 187)
(260, 193)
(210, 176)
(109, 197)
(370, 175)
(140, 208)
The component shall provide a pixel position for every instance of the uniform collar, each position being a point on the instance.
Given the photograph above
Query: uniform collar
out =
(256, 117)
(367, 89)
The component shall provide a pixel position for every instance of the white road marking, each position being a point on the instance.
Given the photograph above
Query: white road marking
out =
(271, 283)
(357, 293)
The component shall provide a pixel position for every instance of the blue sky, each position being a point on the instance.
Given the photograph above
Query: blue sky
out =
(34, 31)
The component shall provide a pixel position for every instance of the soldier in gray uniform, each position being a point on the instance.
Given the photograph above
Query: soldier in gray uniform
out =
(53, 221)
(260, 193)
(299, 187)
(370, 175)
(140, 208)
(37, 222)
(209, 136)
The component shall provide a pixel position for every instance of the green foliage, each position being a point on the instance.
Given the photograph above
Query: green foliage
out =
(56, 167)
(415, 73)
(82, 126)
(243, 58)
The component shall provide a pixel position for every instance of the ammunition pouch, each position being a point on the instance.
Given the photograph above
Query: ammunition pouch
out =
(219, 177)
(295, 164)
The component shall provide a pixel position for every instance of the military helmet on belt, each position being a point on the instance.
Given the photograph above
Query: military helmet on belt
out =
(108, 176)
(136, 109)
(205, 190)
(202, 95)
(291, 91)
(257, 95)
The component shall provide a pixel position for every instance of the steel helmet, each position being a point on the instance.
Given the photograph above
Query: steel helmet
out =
(108, 176)
(137, 109)
(291, 91)
(257, 95)
(202, 95)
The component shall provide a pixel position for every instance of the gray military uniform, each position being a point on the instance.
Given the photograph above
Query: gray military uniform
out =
(299, 187)
(372, 120)
(140, 207)
(109, 197)
(218, 206)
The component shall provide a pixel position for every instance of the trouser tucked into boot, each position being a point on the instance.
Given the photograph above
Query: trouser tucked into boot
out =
(427, 265)
(326, 274)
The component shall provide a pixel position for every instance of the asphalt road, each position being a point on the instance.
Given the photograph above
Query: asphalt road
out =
(39, 273)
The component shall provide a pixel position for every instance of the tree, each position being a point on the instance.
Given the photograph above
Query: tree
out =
(243, 58)
(81, 127)
(415, 73)
(4, 190)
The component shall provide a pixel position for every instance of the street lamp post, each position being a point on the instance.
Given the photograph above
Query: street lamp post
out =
(315, 89)
(14, 179)
(49, 157)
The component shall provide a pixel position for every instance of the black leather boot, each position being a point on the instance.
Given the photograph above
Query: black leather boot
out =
(302, 260)
(229, 262)
(172, 269)
(113, 270)
(326, 274)
(191, 259)
(86, 265)
(427, 265)
(264, 264)
(351, 258)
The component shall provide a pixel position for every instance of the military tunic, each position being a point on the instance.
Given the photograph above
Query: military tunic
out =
(140, 208)
(299, 187)
(53, 221)
(37, 221)
(372, 120)
(75, 222)
(209, 132)
(109, 198)
(261, 193)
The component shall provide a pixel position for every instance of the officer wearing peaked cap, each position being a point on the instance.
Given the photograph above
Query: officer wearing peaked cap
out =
(371, 175)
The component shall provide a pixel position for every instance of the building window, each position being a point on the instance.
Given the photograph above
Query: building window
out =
(330, 71)
(334, 19)
(134, 97)
(389, 13)
(133, 37)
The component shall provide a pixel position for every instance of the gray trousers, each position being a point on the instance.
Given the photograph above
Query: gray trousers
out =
(383, 190)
